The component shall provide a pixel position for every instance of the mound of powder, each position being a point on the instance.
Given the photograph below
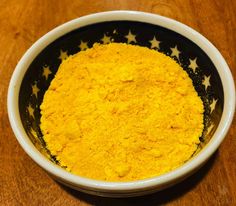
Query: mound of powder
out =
(121, 112)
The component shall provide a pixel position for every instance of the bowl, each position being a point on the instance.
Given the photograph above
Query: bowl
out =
(204, 64)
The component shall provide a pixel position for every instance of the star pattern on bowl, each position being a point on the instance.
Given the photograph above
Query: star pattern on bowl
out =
(131, 37)
(193, 64)
(83, 45)
(213, 104)
(206, 81)
(33, 132)
(46, 72)
(63, 55)
(30, 111)
(209, 129)
(35, 90)
(155, 44)
(175, 52)
(106, 39)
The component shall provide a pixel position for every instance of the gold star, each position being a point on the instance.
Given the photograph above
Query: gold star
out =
(35, 90)
(213, 104)
(83, 45)
(175, 52)
(106, 39)
(46, 72)
(130, 37)
(210, 128)
(206, 81)
(193, 64)
(63, 55)
(33, 132)
(155, 43)
(31, 110)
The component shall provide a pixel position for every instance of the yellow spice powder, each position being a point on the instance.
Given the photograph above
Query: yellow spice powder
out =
(121, 112)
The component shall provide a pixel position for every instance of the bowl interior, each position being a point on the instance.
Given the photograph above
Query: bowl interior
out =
(192, 58)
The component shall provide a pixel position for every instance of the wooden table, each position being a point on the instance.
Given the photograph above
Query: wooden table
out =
(22, 22)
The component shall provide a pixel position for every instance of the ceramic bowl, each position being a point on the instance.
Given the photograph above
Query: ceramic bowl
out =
(199, 58)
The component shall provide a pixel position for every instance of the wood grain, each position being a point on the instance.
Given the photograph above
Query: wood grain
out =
(22, 22)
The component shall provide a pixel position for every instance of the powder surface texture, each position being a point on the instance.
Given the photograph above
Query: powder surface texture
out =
(121, 112)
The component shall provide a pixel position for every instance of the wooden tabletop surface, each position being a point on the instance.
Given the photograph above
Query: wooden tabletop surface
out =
(22, 182)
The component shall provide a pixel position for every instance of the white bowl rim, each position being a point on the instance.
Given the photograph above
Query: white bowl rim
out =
(122, 187)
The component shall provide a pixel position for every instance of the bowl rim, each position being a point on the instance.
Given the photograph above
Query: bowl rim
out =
(122, 187)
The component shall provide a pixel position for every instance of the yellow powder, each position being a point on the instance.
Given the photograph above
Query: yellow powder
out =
(120, 112)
